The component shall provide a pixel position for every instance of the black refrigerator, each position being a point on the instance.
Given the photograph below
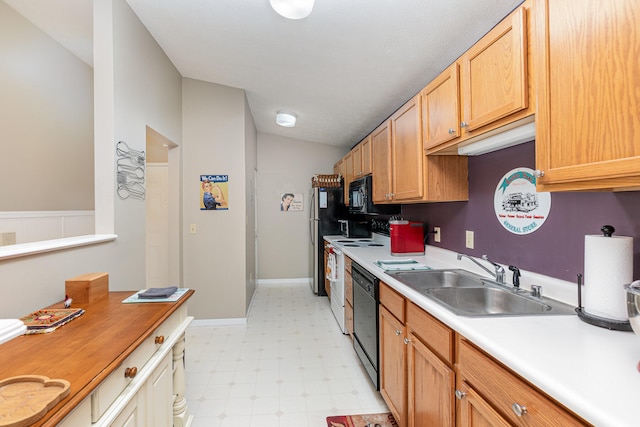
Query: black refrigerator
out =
(326, 208)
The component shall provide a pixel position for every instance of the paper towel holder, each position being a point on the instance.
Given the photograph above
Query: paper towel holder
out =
(614, 325)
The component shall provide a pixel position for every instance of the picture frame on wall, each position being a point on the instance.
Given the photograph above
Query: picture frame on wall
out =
(214, 192)
(291, 202)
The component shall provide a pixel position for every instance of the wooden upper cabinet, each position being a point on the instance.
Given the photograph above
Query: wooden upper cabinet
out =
(406, 149)
(381, 162)
(347, 164)
(366, 155)
(356, 160)
(441, 108)
(337, 168)
(588, 118)
(494, 73)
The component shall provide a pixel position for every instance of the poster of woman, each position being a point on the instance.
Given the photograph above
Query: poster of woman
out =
(290, 202)
(214, 192)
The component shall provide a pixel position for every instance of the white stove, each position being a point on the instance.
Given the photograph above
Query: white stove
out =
(356, 243)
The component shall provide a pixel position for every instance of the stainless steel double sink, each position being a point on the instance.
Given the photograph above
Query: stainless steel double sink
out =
(469, 294)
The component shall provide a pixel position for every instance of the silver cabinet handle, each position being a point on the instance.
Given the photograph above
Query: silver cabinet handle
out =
(407, 340)
(460, 394)
(464, 124)
(538, 173)
(518, 409)
(452, 131)
(398, 332)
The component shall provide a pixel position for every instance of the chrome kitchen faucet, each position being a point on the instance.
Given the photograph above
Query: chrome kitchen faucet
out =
(499, 270)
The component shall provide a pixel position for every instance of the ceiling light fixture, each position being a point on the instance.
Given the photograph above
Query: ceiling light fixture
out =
(287, 120)
(292, 9)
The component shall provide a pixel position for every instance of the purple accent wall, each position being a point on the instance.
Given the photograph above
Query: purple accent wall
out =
(557, 248)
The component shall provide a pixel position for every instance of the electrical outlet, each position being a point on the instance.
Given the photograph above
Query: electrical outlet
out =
(8, 238)
(469, 239)
(192, 229)
(436, 235)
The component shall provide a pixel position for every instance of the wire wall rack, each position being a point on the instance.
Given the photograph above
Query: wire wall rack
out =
(130, 172)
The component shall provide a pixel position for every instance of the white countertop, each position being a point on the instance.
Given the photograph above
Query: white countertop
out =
(592, 371)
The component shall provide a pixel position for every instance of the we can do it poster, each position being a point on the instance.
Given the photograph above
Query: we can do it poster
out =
(214, 192)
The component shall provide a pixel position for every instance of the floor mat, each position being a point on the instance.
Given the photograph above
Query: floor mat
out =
(367, 420)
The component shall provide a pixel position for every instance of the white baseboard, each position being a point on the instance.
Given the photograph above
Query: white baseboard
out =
(219, 322)
(305, 280)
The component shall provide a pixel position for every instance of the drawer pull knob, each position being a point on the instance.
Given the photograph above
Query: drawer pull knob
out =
(130, 372)
(460, 394)
(398, 332)
(452, 131)
(518, 409)
(407, 340)
(538, 173)
(159, 339)
(464, 124)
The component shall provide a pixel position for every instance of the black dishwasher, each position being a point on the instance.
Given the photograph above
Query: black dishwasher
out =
(365, 320)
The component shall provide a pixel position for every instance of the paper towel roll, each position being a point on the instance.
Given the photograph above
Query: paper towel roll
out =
(608, 266)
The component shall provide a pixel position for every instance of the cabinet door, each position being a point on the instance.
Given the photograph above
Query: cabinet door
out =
(337, 168)
(494, 73)
(366, 156)
(133, 414)
(160, 394)
(441, 108)
(381, 162)
(327, 283)
(356, 159)
(348, 175)
(588, 123)
(431, 387)
(473, 411)
(407, 153)
(393, 366)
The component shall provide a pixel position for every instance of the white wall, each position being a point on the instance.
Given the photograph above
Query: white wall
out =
(46, 121)
(251, 165)
(286, 165)
(214, 142)
(127, 99)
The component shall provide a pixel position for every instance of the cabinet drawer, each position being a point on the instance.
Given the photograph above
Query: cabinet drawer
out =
(431, 331)
(502, 389)
(113, 385)
(393, 301)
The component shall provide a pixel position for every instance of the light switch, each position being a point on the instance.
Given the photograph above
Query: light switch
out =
(192, 229)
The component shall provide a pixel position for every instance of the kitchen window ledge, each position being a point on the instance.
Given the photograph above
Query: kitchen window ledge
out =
(26, 249)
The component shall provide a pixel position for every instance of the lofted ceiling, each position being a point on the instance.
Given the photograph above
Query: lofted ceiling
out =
(342, 70)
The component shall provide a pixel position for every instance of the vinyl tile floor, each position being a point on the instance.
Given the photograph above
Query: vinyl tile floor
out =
(289, 366)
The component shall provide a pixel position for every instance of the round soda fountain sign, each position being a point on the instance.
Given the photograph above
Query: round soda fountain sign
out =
(520, 209)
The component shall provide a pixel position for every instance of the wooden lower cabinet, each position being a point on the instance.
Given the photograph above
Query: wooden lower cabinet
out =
(348, 296)
(474, 411)
(517, 402)
(431, 376)
(393, 365)
(415, 383)
(431, 387)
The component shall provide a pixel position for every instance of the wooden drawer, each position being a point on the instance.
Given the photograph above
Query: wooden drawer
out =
(393, 301)
(501, 389)
(113, 385)
(348, 287)
(436, 335)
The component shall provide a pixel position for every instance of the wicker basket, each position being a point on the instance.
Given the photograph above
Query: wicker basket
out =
(326, 181)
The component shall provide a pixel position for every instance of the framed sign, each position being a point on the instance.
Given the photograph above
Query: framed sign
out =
(520, 209)
(214, 192)
(290, 202)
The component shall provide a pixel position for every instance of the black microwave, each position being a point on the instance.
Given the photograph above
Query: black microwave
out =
(361, 199)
